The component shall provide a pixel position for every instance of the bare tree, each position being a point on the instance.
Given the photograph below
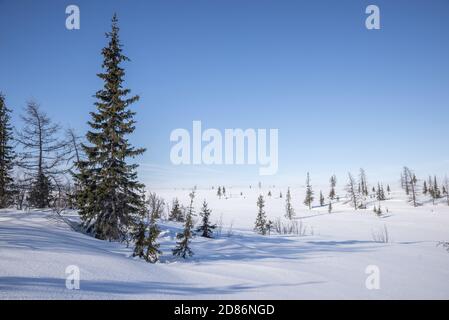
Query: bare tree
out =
(352, 191)
(363, 182)
(43, 154)
(405, 180)
(156, 205)
(73, 146)
(411, 183)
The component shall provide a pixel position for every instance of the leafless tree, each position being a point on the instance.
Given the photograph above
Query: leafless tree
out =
(411, 183)
(155, 205)
(43, 153)
(352, 191)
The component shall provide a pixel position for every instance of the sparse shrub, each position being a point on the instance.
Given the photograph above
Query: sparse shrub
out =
(381, 235)
(290, 227)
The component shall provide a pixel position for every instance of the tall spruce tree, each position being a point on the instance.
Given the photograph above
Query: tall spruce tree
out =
(7, 156)
(182, 248)
(109, 194)
(309, 193)
(206, 229)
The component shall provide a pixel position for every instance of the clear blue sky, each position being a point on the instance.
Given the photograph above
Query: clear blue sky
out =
(341, 96)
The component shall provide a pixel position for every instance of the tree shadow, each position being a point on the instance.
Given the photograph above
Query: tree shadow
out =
(16, 284)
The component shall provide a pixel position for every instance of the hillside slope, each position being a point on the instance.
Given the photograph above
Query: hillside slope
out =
(330, 263)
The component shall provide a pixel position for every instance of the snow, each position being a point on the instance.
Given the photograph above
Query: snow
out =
(329, 262)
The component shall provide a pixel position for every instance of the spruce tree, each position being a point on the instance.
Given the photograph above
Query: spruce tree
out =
(109, 194)
(145, 236)
(309, 193)
(139, 236)
(333, 183)
(446, 189)
(206, 228)
(321, 199)
(261, 220)
(424, 189)
(152, 251)
(176, 212)
(289, 211)
(436, 189)
(219, 194)
(182, 248)
(7, 156)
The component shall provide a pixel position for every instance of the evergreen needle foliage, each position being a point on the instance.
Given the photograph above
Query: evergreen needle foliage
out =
(109, 194)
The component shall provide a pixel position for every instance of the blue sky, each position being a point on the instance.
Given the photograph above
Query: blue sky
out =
(341, 96)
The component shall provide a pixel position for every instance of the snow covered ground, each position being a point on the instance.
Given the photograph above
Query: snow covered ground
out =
(329, 262)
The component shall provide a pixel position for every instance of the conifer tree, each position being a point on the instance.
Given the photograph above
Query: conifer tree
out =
(43, 154)
(280, 194)
(206, 228)
(333, 183)
(309, 193)
(289, 211)
(7, 156)
(425, 190)
(223, 191)
(388, 189)
(436, 189)
(152, 251)
(109, 194)
(329, 207)
(139, 239)
(446, 189)
(269, 193)
(219, 194)
(380, 194)
(182, 248)
(176, 212)
(145, 236)
(321, 199)
(405, 180)
(261, 220)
